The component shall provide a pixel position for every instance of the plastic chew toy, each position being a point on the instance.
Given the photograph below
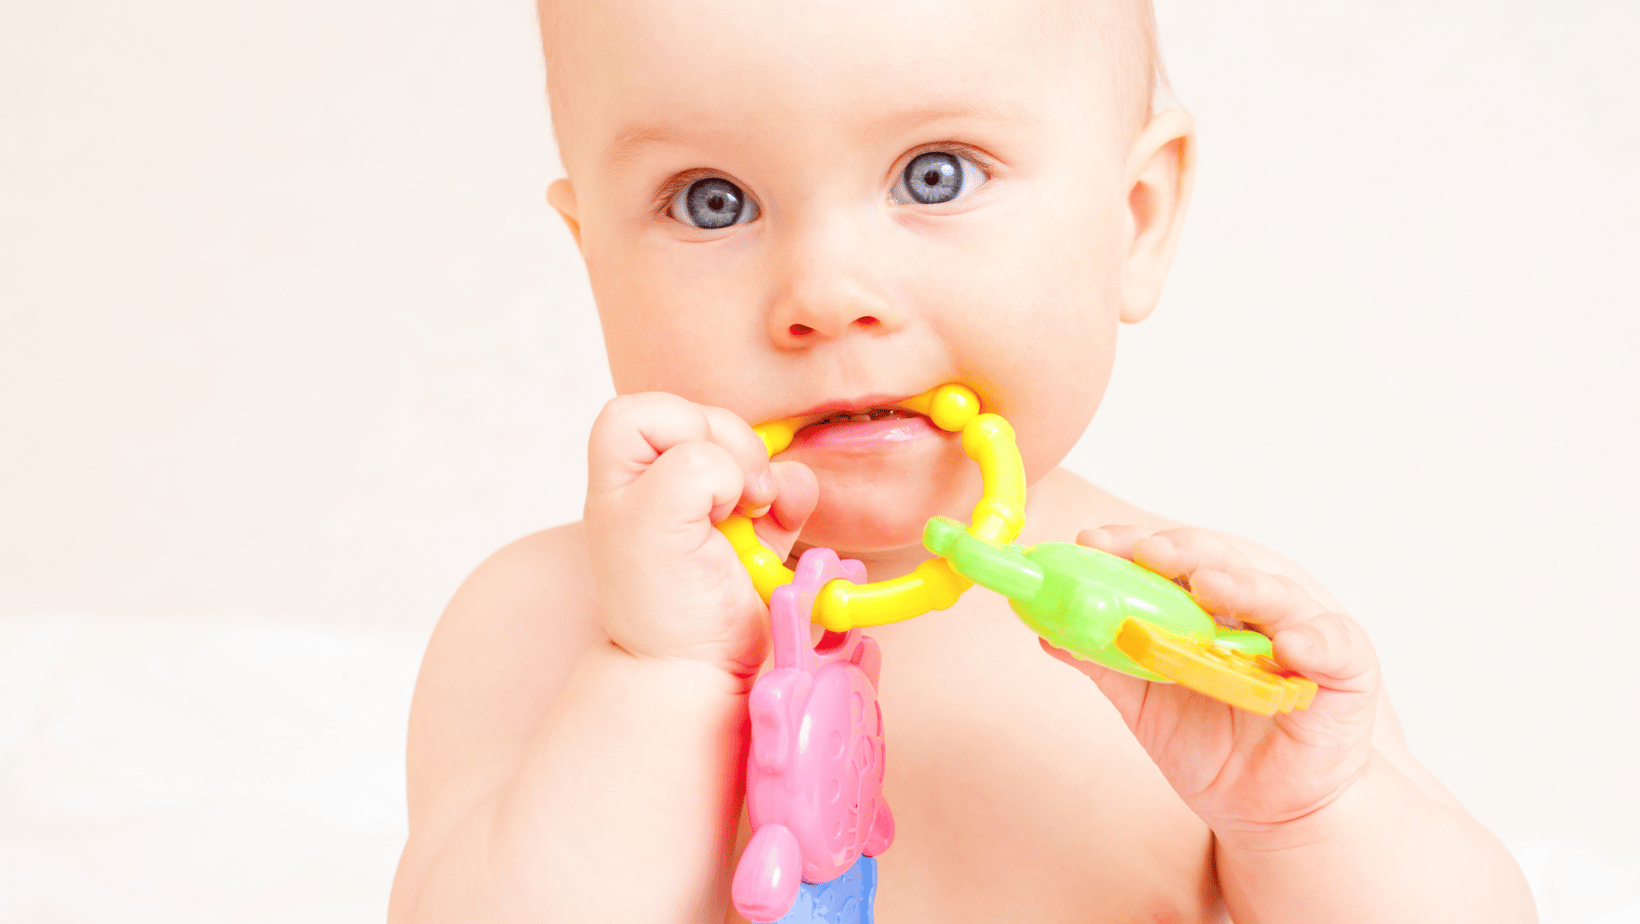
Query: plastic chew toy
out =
(814, 778)
(1107, 609)
(998, 517)
(815, 769)
(844, 900)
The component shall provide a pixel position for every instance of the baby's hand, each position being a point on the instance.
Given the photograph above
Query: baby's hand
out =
(1240, 772)
(661, 472)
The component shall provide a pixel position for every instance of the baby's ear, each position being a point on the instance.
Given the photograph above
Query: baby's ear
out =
(1161, 169)
(561, 196)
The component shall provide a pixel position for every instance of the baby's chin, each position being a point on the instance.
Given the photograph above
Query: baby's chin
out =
(875, 506)
(876, 533)
(887, 536)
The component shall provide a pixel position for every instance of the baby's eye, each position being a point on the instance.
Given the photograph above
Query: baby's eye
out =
(937, 176)
(713, 203)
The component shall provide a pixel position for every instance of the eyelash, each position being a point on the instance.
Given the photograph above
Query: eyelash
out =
(662, 206)
(984, 161)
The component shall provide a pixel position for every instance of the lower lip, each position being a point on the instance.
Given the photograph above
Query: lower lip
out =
(865, 434)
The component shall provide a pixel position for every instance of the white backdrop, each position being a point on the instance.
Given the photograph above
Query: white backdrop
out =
(289, 341)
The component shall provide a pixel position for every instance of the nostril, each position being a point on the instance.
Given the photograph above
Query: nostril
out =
(867, 321)
(799, 330)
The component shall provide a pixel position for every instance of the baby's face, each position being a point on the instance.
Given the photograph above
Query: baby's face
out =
(793, 210)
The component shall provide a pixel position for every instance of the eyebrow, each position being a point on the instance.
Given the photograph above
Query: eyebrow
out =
(627, 143)
(1003, 113)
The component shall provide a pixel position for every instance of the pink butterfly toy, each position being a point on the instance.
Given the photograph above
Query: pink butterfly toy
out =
(814, 778)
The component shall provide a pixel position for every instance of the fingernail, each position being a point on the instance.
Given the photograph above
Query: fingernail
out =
(760, 511)
(765, 482)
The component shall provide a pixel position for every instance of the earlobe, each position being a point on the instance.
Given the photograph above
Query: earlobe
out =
(561, 196)
(1161, 170)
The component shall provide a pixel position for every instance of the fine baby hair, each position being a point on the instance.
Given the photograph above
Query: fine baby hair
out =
(816, 762)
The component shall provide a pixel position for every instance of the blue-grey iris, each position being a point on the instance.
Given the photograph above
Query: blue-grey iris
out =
(714, 203)
(933, 178)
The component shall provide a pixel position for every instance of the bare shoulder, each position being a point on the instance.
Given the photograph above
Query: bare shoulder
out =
(500, 655)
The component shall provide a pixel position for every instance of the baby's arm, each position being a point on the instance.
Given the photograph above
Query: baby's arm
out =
(577, 737)
(1318, 815)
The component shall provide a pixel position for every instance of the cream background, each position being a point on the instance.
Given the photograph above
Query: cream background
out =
(289, 341)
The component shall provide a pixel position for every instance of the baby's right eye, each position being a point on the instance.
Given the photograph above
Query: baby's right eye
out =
(712, 203)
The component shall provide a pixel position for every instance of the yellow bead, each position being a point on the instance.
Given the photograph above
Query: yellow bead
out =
(953, 406)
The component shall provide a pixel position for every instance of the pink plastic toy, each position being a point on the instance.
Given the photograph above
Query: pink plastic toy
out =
(814, 777)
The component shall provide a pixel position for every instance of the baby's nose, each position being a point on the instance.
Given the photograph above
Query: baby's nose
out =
(814, 310)
(832, 277)
(798, 331)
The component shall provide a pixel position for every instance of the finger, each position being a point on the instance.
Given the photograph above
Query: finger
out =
(632, 431)
(1116, 539)
(1125, 692)
(1175, 553)
(690, 482)
(1332, 650)
(1273, 602)
(748, 449)
(797, 493)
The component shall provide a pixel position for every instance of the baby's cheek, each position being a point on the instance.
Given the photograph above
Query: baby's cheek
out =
(1051, 388)
(1045, 332)
(662, 337)
(1049, 434)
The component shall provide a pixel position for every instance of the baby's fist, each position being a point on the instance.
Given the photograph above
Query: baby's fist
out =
(661, 473)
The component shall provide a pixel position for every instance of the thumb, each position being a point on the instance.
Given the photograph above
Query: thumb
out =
(797, 492)
(1332, 650)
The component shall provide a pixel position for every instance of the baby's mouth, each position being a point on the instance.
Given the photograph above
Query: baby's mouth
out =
(862, 415)
(864, 429)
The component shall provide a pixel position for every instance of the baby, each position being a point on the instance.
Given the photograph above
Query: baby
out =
(817, 211)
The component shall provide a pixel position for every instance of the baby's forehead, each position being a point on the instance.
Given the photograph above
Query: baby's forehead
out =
(616, 67)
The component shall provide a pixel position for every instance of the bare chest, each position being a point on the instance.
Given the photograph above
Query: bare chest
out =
(1017, 793)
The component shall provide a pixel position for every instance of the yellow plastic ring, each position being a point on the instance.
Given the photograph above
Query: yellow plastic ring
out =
(935, 585)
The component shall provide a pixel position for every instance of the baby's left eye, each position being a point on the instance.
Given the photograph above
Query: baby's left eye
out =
(937, 176)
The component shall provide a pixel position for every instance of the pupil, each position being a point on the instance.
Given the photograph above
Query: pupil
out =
(715, 203)
(932, 177)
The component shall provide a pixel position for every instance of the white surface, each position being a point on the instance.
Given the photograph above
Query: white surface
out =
(289, 341)
(171, 771)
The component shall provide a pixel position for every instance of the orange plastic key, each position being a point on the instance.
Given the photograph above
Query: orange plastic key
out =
(1246, 681)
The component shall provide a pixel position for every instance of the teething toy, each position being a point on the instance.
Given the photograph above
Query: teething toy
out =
(815, 771)
(998, 517)
(1103, 608)
(814, 777)
(844, 900)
